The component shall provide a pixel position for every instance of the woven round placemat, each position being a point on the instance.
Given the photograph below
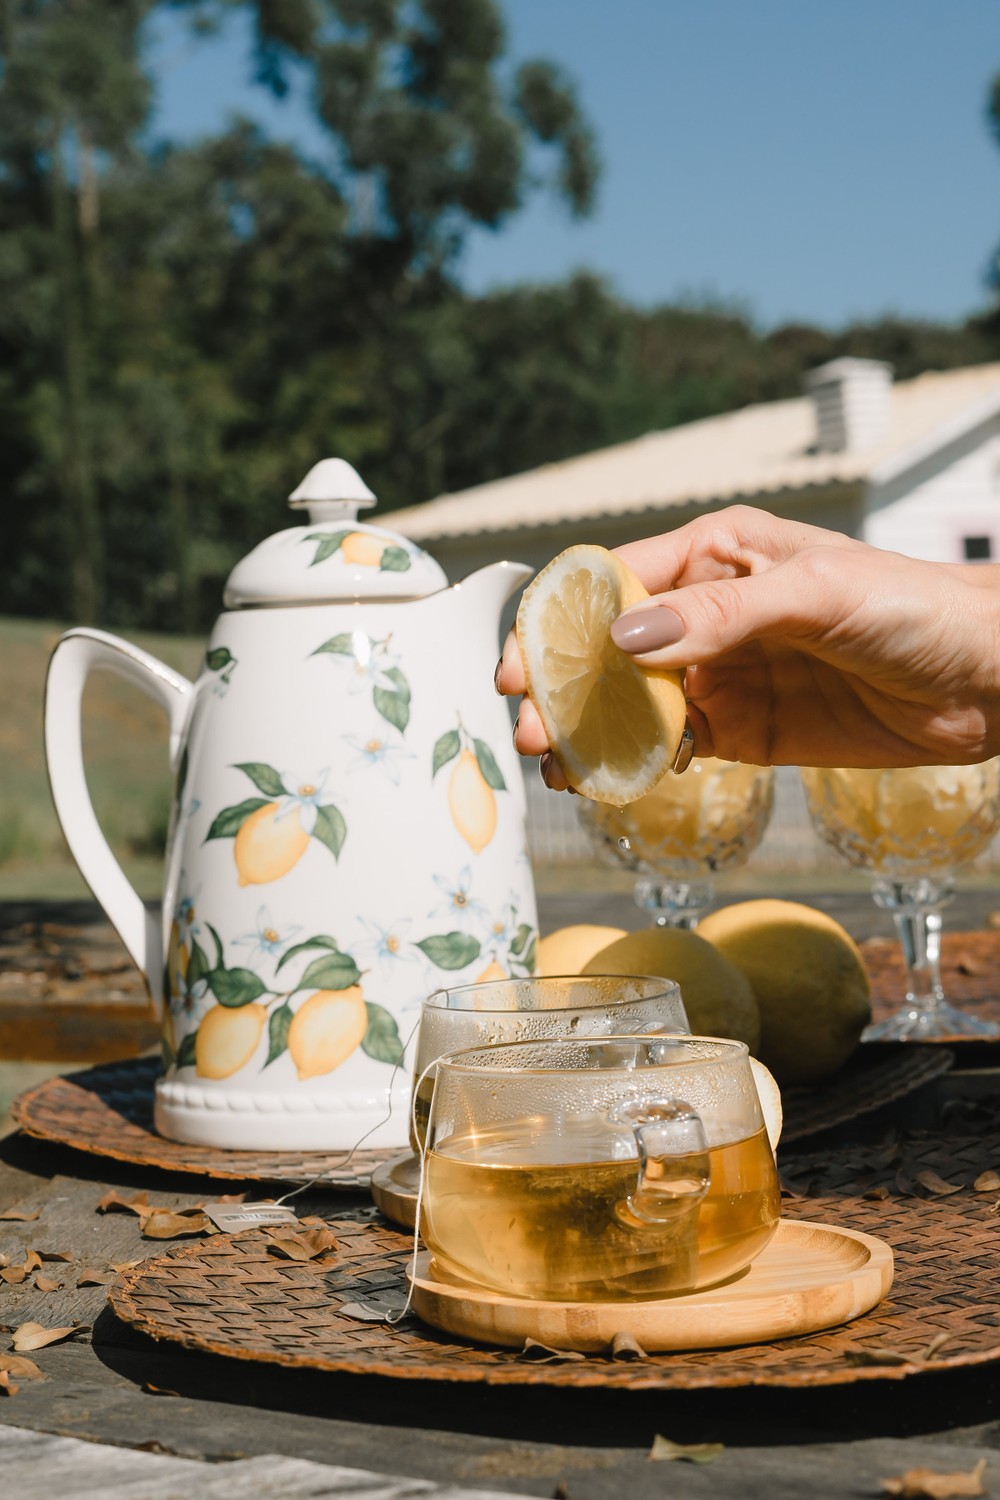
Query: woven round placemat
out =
(970, 976)
(233, 1296)
(108, 1111)
(873, 1077)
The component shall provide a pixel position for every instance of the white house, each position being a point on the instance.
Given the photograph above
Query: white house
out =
(913, 466)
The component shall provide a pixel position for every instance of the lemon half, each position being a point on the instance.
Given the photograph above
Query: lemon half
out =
(613, 725)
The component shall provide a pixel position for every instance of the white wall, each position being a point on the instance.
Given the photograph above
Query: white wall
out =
(956, 493)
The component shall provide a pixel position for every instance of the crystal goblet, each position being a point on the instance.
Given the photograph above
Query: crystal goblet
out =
(683, 832)
(911, 829)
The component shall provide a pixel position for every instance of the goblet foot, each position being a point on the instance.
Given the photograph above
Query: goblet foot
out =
(934, 1023)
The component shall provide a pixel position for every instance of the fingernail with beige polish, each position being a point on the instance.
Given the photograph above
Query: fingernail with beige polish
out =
(496, 676)
(513, 733)
(647, 630)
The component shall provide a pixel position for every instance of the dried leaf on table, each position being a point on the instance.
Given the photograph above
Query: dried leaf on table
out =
(929, 1180)
(32, 1261)
(21, 1368)
(54, 1254)
(13, 1275)
(663, 1450)
(46, 1284)
(928, 1484)
(114, 1203)
(91, 1276)
(365, 1312)
(20, 1215)
(626, 1346)
(33, 1336)
(987, 1182)
(877, 1194)
(164, 1224)
(7, 1387)
(967, 963)
(125, 1265)
(307, 1246)
(937, 1342)
(542, 1354)
(879, 1354)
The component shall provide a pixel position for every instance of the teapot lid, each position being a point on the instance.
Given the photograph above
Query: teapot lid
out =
(335, 556)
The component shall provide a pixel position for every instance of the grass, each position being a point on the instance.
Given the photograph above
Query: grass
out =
(124, 738)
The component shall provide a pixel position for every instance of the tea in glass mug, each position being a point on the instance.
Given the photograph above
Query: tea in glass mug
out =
(597, 1169)
(515, 1010)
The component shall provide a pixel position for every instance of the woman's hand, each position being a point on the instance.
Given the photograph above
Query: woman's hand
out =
(804, 647)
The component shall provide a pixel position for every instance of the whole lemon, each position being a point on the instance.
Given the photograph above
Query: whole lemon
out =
(809, 979)
(718, 999)
(326, 1030)
(566, 950)
(471, 802)
(227, 1039)
(268, 846)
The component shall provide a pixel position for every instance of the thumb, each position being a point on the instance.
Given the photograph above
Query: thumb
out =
(700, 621)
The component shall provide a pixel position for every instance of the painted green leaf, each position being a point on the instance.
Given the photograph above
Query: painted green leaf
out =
(315, 942)
(382, 1040)
(235, 987)
(198, 965)
(218, 658)
(231, 819)
(337, 645)
(277, 1032)
(185, 1052)
(167, 1053)
(220, 962)
(394, 560)
(329, 543)
(487, 764)
(393, 707)
(399, 682)
(445, 749)
(334, 971)
(264, 777)
(520, 937)
(450, 950)
(330, 828)
(528, 957)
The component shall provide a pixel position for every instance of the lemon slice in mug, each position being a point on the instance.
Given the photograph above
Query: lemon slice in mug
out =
(613, 725)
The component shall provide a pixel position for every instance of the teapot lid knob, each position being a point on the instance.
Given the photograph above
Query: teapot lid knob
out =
(332, 489)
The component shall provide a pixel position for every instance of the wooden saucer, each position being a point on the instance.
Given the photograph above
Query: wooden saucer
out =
(810, 1276)
(394, 1186)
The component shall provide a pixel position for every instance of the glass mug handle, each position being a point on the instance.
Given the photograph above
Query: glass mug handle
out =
(674, 1168)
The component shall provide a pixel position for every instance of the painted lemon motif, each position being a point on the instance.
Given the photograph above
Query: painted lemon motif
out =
(471, 802)
(227, 1039)
(493, 970)
(362, 549)
(267, 846)
(326, 1030)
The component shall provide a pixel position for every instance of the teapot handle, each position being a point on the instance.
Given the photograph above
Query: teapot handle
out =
(76, 654)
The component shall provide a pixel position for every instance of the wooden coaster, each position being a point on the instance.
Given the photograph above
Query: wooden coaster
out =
(394, 1186)
(108, 1111)
(810, 1276)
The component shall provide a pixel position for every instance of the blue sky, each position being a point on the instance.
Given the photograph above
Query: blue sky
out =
(817, 160)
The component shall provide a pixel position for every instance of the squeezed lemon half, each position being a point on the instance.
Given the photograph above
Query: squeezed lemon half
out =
(614, 726)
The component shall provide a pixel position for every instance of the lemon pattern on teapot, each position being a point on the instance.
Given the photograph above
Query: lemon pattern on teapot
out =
(272, 832)
(473, 782)
(359, 549)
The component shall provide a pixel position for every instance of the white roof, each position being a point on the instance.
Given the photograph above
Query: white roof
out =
(742, 455)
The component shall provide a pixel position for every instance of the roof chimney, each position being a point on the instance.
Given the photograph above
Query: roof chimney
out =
(852, 399)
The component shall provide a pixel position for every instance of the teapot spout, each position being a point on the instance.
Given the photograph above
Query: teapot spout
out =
(493, 585)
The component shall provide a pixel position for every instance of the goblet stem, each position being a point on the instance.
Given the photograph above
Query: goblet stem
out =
(916, 912)
(674, 903)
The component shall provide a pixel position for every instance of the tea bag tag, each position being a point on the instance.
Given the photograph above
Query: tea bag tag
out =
(231, 1216)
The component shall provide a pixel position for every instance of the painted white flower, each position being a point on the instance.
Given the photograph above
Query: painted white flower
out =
(267, 941)
(376, 751)
(304, 795)
(460, 905)
(386, 946)
(369, 664)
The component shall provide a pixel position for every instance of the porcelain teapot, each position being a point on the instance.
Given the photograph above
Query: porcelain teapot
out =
(347, 831)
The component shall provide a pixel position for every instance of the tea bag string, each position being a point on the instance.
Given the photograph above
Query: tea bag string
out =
(324, 1175)
(397, 1314)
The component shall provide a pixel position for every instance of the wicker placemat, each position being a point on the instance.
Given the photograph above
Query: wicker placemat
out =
(873, 1077)
(970, 976)
(232, 1296)
(108, 1111)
